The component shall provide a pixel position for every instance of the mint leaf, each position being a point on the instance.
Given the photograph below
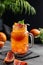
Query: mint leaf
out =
(21, 22)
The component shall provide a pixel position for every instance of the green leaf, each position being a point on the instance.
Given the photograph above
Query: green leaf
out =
(16, 7)
(28, 7)
(2, 9)
(41, 34)
(21, 6)
(21, 22)
(25, 7)
(33, 11)
(7, 4)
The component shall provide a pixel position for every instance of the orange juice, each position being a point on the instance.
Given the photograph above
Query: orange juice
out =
(19, 38)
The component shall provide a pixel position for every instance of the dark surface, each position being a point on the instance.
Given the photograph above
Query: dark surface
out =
(32, 58)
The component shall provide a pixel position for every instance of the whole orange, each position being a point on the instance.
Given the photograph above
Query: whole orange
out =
(3, 37)
(35, 32)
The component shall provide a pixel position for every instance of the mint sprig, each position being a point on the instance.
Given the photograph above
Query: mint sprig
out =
(21, 22)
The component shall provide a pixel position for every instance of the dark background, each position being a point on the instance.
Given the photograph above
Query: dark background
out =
(38, 18)
(35, 21)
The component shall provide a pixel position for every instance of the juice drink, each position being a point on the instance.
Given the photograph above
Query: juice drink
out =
(19, 38)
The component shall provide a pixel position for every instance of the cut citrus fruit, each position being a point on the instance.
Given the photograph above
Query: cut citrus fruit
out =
(9, 58)
(19, 62)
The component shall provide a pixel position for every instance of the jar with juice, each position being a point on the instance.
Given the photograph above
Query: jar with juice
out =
(20, 39)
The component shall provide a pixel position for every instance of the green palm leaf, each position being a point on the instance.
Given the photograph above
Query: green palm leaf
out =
(17, 6)
(2, 9)
(21, 6)
(33, 11)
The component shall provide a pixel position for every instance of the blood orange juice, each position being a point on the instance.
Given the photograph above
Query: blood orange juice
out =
(19, 38)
